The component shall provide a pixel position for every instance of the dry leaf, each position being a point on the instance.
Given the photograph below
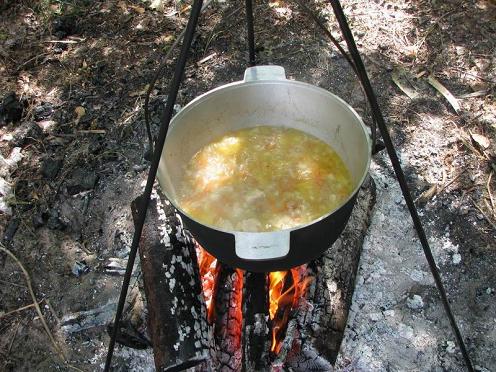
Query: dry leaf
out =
(428, 194)
(137, 9)
(185, 9)
(80, 112)
(140, 92)
(122, 5)
(445, 92)
(482, 141)
(399, 78)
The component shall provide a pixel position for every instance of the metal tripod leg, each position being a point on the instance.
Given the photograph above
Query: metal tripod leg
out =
(251, 32)
(350, 41)
(173, 89)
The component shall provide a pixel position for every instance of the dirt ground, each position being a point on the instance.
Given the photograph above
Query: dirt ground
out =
(73, 157)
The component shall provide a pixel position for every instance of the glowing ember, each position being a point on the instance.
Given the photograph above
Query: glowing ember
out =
(208, 274)
(284, 293)
(285, 290)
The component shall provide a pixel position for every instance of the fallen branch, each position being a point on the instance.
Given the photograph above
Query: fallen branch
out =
(487, 218)
(19, 309)
(488, 186)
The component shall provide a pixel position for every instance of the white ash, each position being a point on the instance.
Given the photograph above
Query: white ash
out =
(172, 284)
(450, 347)
(415, 302)
(457, 258)
(174, 305)
(418, 275)
(260, 324)
(392, 264)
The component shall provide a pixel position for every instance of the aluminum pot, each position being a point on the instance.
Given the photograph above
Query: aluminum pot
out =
(266, 97)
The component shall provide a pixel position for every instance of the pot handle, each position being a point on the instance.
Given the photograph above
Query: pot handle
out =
(261, 245)
(258, 73)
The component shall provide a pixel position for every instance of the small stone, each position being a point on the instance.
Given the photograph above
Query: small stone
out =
(50, 168)
(417, 275)
(450, 347)
(489, 290)
(415, 302)
(457, 258)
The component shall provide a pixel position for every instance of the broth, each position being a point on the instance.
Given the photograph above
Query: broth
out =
(264, 179)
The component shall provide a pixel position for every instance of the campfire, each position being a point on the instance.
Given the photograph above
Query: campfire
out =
(205, 315)
(286, 289)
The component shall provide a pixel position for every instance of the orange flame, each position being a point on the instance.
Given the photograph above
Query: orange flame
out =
(283, 297)
(285, 292)
(208, 273)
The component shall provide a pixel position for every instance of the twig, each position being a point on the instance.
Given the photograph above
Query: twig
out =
(449, 183)
(484, 214)
(31, 59)
(62, 41)
(431, 28)
(92, 131)
(37, 306)
(10, 283)
(13, 338)
(488, 186)
(19, 310)
(473, 75)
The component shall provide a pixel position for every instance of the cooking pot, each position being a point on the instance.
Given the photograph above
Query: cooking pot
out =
(266, 97)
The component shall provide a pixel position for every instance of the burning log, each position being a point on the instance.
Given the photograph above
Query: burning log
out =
(256, 339)
(228, 318)
(317, 323)
(177, 323)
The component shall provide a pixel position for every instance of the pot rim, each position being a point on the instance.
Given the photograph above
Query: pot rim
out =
(201, 98)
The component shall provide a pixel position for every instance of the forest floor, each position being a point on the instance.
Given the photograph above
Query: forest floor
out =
(72, 145)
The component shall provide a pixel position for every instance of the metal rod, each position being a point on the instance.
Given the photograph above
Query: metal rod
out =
(173, 89)
(251, 32)
(348, 36)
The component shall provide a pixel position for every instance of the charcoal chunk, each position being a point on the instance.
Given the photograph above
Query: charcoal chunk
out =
(81, 180)
(50, 168)
(11, 109)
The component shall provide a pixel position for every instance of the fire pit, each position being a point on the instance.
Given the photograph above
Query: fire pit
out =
(209, 316)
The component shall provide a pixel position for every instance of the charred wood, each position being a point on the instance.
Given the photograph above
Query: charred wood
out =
(256, 336)
(336, 277)
(228, 318)
(316, 327)
(133, 329)
(177, 323)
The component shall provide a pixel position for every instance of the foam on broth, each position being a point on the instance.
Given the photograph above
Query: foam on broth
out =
(264, 179)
